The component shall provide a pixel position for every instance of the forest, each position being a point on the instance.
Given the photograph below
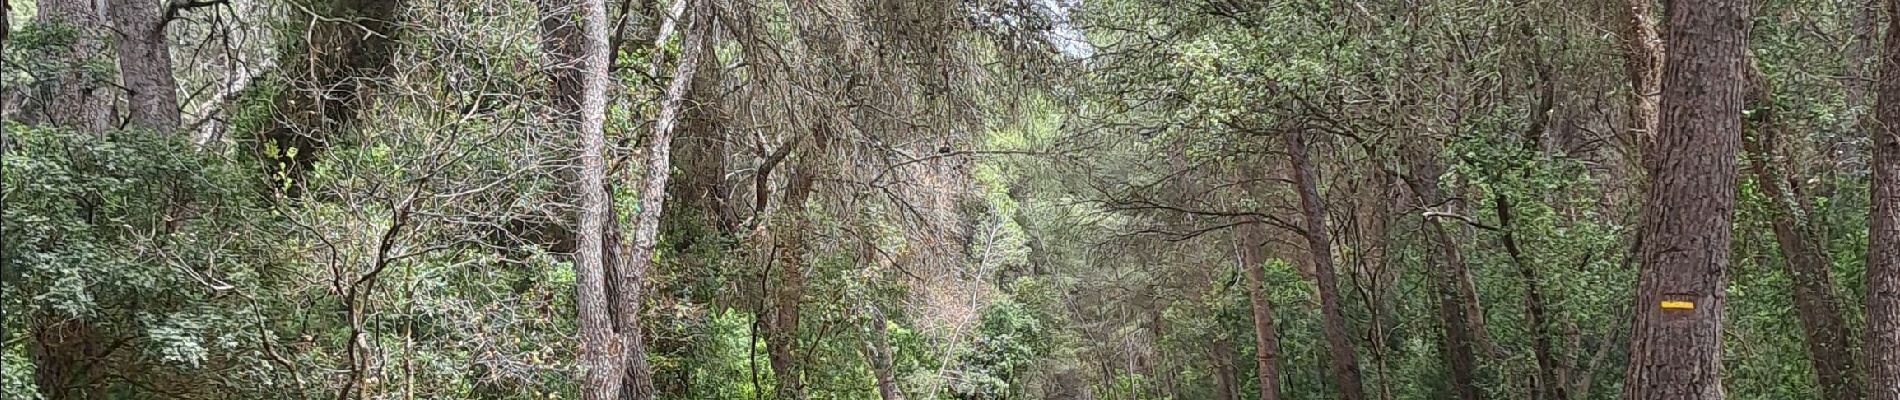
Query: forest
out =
(950, 199)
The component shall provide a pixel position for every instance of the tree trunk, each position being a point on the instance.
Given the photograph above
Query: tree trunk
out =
(351, 45)
(878, 351)
(1676, 343)
(74, 96)
(65, 350)
(1883, 234)
(1458, 308)
(1226, 384)
(789, 261)
(1344, 361)
(1551, 383)
(659, 166)
(145, 65)
(580, 79)
(1643, 64)
(1804, 256)
(1266, 340)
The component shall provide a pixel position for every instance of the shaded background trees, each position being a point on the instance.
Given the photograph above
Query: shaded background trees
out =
(984, 199)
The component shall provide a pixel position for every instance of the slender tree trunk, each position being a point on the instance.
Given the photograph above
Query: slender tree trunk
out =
(1643, 64)
(1344, 360)
(575, 40)
(789, 260)
(1226, 384)
(1676, 343)
(1883, 235)
(1266, 340)
(1550, 382)
(1458, 307)
(1804, 257)
(1460, 347)
(878, 351)
(145, 65)
(659, 166)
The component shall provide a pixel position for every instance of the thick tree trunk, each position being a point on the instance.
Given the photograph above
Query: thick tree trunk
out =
(65, 350)
(145, 65)
(65, 354)
(575, 32)
(74, 96)
(1804, 256)
(1344, 360)
(1266, 340)
(348, 49)
(1883, 235)
(1676, 343)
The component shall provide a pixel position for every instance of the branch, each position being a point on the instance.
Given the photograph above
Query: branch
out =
(1467, 220)
(178, 6)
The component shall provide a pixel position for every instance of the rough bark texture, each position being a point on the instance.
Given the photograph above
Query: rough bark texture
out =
(1344, 361)
(1883, 236)
(345, 52)
(1266, 339)
(1675, 346)
(1643, 64)
(145, 65)
(577, 30)
(73, 96)
(1804, 256)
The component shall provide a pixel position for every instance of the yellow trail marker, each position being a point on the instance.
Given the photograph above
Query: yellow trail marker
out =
(1677, 305)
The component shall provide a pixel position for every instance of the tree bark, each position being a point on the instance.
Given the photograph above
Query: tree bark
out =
(73, 96)
(1804, 256)
(1344, 360)
(1676, 343)
(576, 34)
(788, 259)
(1226, 384)
(1266, 340)
(1883, 234)
(145, 65)
(878, 351)
(1460, 347)
(652, 198)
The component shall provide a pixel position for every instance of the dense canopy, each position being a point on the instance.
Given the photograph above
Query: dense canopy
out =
(958, 199)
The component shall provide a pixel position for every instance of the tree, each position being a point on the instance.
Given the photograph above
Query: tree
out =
(1344, 361)
(1883, 229)
(1266, 339)
(145, 64)
(1804, 255)
(1675, 346)
(581, 54)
